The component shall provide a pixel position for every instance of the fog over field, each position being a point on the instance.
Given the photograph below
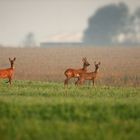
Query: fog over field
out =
(108, 22)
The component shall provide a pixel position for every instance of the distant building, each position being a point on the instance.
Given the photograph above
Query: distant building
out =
(61, 44)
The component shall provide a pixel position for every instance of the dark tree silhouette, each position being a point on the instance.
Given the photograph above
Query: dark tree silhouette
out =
(106, 23)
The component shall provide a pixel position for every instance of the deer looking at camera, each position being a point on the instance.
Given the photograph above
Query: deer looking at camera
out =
(8, 73)
(75, 73)
(89, 76)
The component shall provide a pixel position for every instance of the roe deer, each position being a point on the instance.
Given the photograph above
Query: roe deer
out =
(8, 73)
(75, 73)
(89, 76)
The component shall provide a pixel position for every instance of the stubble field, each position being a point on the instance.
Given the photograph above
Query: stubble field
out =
(120, 66)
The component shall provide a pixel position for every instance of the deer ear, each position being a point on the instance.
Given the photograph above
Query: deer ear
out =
(99, 63)
(9, 59)
(14, 58)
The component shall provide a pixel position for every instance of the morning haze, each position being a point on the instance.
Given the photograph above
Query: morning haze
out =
(56, 21)
(67, 71)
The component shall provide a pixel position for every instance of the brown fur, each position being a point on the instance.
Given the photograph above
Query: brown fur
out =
(8, 73)
(75, 73)
(89, 76)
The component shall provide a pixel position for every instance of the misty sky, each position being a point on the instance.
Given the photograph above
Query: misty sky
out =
(49, 20)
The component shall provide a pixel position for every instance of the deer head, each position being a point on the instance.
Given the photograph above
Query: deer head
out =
(12, 61)
(97, 66)
(85, 62)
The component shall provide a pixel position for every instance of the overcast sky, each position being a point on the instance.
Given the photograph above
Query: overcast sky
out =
(49, 20)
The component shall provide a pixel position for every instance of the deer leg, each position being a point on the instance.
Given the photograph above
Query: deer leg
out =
(66, 81)
(77, 82)
(81, 81)
(9, 80)
(93, 81)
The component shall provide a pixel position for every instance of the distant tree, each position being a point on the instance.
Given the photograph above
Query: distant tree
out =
(113, 24)
(131, 31)
(137, 13)
(137, 19)
(107, 22)
(29, 40)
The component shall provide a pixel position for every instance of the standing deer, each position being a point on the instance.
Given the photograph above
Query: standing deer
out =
(75, 73)
(89, 76)
(8, 73)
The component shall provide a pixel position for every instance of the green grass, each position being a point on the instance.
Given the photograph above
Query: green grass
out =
(48, 111)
